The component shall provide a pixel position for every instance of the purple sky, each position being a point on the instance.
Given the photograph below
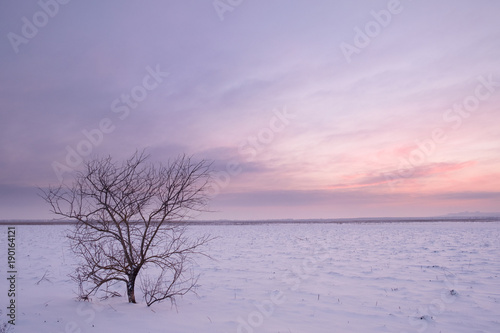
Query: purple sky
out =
(310, 109)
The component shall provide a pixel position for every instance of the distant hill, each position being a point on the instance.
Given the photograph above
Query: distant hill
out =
(473, 214)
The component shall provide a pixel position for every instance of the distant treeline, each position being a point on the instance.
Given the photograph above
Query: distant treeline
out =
(287, 221)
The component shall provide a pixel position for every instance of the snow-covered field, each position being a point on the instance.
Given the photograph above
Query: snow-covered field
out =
(379, 277)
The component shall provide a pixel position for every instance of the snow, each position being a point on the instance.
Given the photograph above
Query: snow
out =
(367, 277)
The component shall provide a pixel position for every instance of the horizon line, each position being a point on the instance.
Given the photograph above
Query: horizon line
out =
(444, 218)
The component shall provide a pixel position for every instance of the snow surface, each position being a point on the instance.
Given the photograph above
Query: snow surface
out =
(376, 277)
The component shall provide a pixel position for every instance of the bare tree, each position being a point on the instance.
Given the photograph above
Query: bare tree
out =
(129, 220)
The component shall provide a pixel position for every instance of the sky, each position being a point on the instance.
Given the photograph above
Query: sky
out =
(307, 108)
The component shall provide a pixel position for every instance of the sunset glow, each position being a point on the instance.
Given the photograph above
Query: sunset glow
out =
(309, 109)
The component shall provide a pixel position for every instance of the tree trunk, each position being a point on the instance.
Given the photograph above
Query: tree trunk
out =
(131, 287)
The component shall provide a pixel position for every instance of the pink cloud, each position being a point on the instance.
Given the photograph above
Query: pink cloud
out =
(420, 172)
